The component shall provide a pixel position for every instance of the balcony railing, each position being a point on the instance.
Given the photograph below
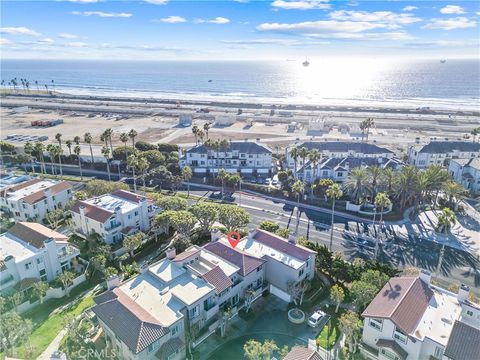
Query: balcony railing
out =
(113, 227)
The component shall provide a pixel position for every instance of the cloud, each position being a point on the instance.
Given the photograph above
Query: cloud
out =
(46, 41)
(4, 41)
(149, 48)
(19, 31)
(301, 5)
(172, 19)
(390, 19)
(282, 42)
(410, 8)
(452, 9)
(68, 36)
(83, 1)
(218, 20)
(75, 44)
(444, 43)
(156, 2)
(101, 14)
(450, 24)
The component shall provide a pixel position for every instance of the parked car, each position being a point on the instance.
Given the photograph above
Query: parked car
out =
(268, 181)
(315, 319)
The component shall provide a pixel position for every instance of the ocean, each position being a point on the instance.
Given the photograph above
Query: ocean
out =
(454, 84)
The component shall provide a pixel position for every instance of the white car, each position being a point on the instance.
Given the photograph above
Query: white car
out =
(315, 318)
(268, 181)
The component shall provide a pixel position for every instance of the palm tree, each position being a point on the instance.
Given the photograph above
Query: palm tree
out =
(445, 220)
(29, 150)
(66, 278)
(375, 172)
(224, 145)
(201, 135)
(76, 140)
(206, 128)
(407, 182)
(52, 152)
(69, 146)
(222, 175)
(36, 83)
(303, 153)
(39, 149)
(88, 139)
(124, 139)
(132, 163)
(77, 150)
(53, 84)
(187, 175)
(454, 193)
(294, 153)
(314, 156)
(365, 126)
(298, 188)
(388, 178)
(109, 135)
(59, 152)
(381, 201)
(132, 134)
(475, 132)
(195, 130)
(106, 153)
(357, 183)
(333, 192)
(142, 167)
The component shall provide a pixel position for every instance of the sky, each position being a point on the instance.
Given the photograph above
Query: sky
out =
(238, 29)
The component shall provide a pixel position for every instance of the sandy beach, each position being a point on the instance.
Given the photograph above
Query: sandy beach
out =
(156, 120)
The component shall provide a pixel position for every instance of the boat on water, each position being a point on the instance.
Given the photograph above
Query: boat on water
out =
(443, 61)
(305, 63)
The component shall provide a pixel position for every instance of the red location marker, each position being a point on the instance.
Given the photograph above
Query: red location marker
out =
(233, 238)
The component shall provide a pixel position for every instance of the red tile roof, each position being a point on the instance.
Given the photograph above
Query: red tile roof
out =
(127, 195)
(278, 243)
(40, 195)
(132, 324)
(217, 278)
(35, 234)
(403, 300)
(92, 211)
(302, 353)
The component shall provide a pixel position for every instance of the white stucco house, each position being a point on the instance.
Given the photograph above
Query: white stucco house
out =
(32, 199)
(30, 252)
(441, 152)
(466, 172)
(114, 215)
(411, 319)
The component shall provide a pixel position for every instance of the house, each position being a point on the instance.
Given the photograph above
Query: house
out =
(31, 252)
(113, 216)
(225, 120)
(412, 319)
(32, 199)
(441, 152)
(185, 120)
(466, 172)
(302, 353)
(338, 149)
(242, 157)
(339, 168)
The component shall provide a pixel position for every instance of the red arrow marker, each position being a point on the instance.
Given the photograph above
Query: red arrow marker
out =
(233, 238)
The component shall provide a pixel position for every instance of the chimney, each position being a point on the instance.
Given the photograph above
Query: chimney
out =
(215, 235)
(425, 276)
(143, 267)
(463, 293)
(81, 208)
(113, 281)
(252, 233)
(292, 238)
(47, 192)
(171, 252)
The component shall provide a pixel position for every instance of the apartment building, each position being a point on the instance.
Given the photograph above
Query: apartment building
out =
(247, 158)
(113, 216)
(337, 149)
(32, 199)
(466, 172)
(411, 319)
(441, 152)
(30, 252)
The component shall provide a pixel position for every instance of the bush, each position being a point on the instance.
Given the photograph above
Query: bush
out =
(144, 146)
(167, 148)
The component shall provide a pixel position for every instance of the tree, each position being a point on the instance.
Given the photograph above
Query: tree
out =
(269, 346)
(297, 290)
(175, 203)
(375, 278)
(39, 149)
(132, 164)
(454, 193)
(98, 263)
(75, 344)
(381, 201)
(294, 153)
(283, 232)
(363, 293)
(124, 140)
(53, 217)
(88, 139)
(314, 156)
(337, 295)
(206, 213)
(14, 331)
(132, 134)
(69, 144)
(100, 187)
(375, 172)
(132, 242)
(365, 126)
(106, 154)
(351, 325)
(445, 220)
(333, 192)
(195, 130)
(233, 217)
(253, 350)
(222, 175)
(357, 184)
(407, 183)
(182, 221)
(29, 150)
(66, 279)
(77, 150)
(181, 243)
(269, 226)
(303, 154)
(298, 188)
(142, 166)
(40, 289)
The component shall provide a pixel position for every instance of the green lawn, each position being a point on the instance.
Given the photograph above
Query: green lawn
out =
(329, 332)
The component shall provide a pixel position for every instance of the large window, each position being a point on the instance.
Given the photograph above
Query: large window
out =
(400, 336)
(194, 312)
(389, 354)
(376, 323)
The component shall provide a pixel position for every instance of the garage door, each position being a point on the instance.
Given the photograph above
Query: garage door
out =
(279, 293)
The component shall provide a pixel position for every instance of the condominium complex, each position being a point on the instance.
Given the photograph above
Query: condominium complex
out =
(441, 152)
(412, 319)
(466, 172)
(32, 199)
(247, 158)
(113, 216)
(31, 252)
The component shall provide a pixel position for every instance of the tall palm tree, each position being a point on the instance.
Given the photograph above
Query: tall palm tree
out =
(375, 173)
(201, 135)
(454, 193)
(294, 153)
(333, 192)
(357, 183)
(223, 176)
(132, 164)
(76, 140)
(195, 130)
(29, 150)
(381, 201)
(303, 153)
(142, 167)
(53, 84)
(298, 189)
(109, 135)
(36, 83)
(407, 182)
(388, 179)
(365, 126)
(445, 221)
(59, 153)
(224, 145)
(76, 151)
(206, 128)
(124, 140)
(314, 156)
(52, 152)
(88, 139)
(69, 144)
(187, 175)
(39, 149)
(132, 134)
(106, 153)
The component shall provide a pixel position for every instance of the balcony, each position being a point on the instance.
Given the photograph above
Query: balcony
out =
(113, 227)
(68, 252)
(208, 314)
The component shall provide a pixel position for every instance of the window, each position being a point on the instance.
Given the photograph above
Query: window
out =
(28, 266)
(39, 260)
(400, 336)
(69, 191)
(43, 272)
(259, 268)
(389, 355)
(376, 323)
(469, 313)
(300, 273)
(172, 355)
(174, 330)
(339, 173)
(438, 352)
(136, 213)
(194, 312)
(153, 346)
